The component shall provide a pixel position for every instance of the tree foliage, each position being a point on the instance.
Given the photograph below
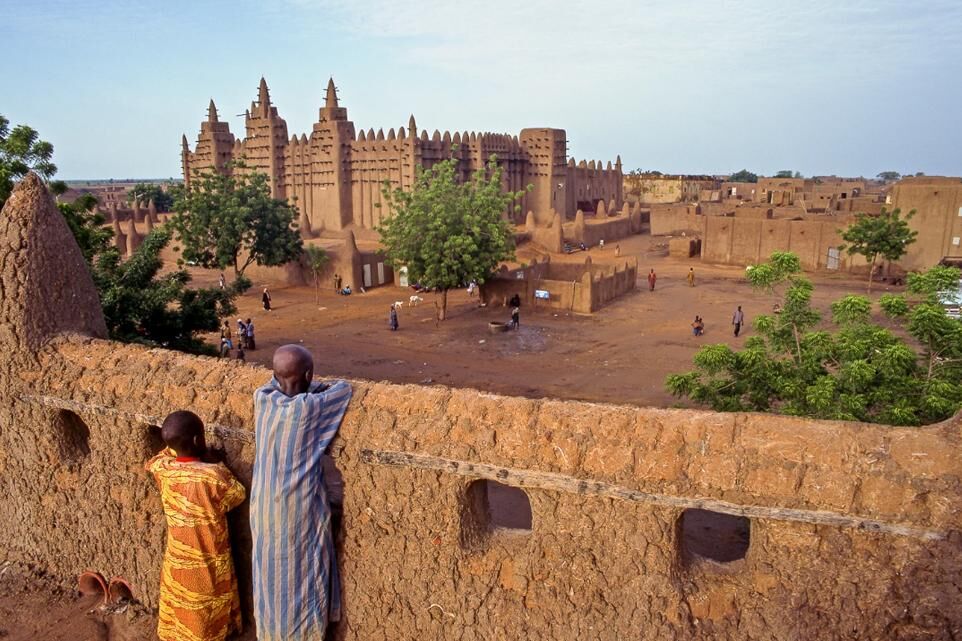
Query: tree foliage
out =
(889, 176)
(886, 236)
(852, 370)
(86, 224)
(316, 259)
(141, 304)
(743, 176)
(446, 232)
(788, 173)
(143, 193)
(21, 150)
(230, 220)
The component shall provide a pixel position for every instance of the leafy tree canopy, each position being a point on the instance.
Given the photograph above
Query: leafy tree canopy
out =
(743, 176)
(889, 176)
(87, 226)
(21, 150)
(143, 193)
(139, 303)
(231, 219)
(446, 232)
(852, 370)
(886, 236)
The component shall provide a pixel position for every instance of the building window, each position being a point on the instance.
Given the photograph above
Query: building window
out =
(490, 509)
(704, 534)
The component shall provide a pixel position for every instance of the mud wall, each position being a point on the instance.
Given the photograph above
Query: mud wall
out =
(673, 219)
(854, 528)
(938, 218)
(747, 241)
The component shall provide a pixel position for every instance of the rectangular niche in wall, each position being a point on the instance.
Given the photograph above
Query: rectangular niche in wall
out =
(718, 537)
(491, 508)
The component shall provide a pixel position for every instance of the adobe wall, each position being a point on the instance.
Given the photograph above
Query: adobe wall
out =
(938, 218)
(748, 241)
(674, 219)
(590, 232)
(855, 528)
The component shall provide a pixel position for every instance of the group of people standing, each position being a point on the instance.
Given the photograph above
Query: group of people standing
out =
(295, 577)
(245, 338)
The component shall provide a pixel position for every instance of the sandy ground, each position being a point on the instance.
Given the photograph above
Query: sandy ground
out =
(620, 354)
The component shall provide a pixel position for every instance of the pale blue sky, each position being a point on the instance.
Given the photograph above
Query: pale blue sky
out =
(845, 86)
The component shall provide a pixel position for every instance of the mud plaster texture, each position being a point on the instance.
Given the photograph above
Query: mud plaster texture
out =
(854, 527)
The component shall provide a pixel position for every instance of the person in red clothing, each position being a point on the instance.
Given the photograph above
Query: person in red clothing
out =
(651, 280)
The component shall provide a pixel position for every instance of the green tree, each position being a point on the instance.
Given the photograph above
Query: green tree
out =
(853, 370)
(143, 193)
(743, 176)
(87, 226)
(230, 219)
(139, 303)
(21, 150)
(889, 176)
(317, 260)
(142, 305)
(886, 235)
(448, 233)
(784, 173)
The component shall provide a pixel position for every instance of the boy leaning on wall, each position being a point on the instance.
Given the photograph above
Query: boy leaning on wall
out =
(198, 588)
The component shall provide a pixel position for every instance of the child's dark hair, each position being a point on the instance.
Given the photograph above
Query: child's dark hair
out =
(183, 432)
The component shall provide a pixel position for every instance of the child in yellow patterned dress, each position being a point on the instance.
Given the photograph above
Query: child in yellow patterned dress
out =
(198, 588)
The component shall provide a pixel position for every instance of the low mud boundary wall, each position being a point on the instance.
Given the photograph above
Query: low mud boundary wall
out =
(857, 522)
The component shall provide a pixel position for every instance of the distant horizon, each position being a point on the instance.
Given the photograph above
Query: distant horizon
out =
(841, 87)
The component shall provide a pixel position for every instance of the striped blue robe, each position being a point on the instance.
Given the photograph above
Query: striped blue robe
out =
(296, 586)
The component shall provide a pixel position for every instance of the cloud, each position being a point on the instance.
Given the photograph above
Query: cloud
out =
(622, 38)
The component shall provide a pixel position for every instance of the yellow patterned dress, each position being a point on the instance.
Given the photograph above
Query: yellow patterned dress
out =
(198, 588)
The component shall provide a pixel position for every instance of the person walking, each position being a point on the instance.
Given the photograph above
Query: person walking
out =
(516, 317)
(266, 300)
(652, 277)
(698, 326)
(337, 283)
(226, 345)
(223, 281)
(691, 276)
(251, 345)
(393, 320)
(241, 332)
(738, 319)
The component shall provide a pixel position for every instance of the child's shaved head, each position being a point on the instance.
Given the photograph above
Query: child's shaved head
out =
(183, 432)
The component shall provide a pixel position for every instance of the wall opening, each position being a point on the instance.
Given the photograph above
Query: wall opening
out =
(492, 508)
(712, 535)
(73, 437)
(152, 440)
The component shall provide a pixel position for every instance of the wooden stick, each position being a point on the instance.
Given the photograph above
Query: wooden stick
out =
(569, 484)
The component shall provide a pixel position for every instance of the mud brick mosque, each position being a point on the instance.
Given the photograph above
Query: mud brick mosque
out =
(334, 175)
